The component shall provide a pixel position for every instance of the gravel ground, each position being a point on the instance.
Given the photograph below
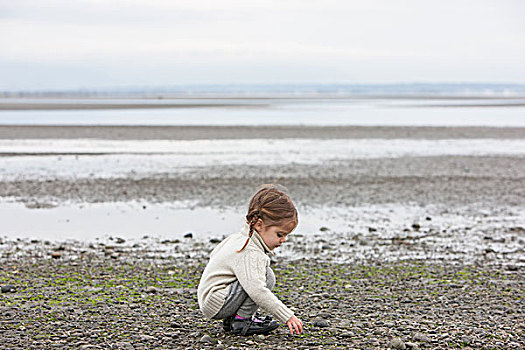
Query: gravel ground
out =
(427, 286)
(118, 295)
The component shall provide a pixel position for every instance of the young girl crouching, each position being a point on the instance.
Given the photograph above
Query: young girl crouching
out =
(238, 278)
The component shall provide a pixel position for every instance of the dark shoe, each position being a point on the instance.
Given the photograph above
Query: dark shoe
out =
(253, 326)
(227, 323)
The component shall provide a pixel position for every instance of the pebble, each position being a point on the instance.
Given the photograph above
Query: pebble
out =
(147, 337)
(321, 323)
(412, 346)
(8, 288)
(125, 346)
(56, 255)
(219, 347)
(207, 339)
(396, 343)
(188, 235)
(152, 289)
(420, 337)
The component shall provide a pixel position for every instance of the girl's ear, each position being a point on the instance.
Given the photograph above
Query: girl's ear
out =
(258, 225)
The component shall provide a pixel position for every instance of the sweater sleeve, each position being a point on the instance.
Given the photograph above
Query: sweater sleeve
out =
(250, 269)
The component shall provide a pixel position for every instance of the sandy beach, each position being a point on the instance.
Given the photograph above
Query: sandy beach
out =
(450, 277)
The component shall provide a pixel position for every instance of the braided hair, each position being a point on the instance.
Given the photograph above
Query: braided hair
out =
(271, 205)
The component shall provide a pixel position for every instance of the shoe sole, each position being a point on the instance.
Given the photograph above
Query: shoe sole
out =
(260, 331)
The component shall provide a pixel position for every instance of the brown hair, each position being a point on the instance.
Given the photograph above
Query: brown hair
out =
(273, 206)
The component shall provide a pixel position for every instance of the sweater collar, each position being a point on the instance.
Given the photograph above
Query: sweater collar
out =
(257, 239)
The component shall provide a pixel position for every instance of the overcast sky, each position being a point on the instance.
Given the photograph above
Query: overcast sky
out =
(115, 43)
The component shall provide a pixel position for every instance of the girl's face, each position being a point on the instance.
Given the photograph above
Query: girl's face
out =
(274, 236)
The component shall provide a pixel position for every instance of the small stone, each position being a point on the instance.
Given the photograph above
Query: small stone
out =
(324, 229)
(147, 337)
(119, 240)
(152, 289)
(412, 346)
(372, 229)
(219, 347)
(207, 339)
(396, 343)
(347, 335)
(324, 315)
(416, 226)
(250, 342)
(420, 337)
(195, 334)
(466, 340)
(56, 255)
(261, 337)
(215, 241)
(188, 235)
(8, 288)
(321, 323)
(125, 346)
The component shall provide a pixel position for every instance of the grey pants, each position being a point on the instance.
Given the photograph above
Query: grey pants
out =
(238, 302)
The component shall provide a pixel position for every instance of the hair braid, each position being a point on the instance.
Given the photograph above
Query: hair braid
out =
(253, 221)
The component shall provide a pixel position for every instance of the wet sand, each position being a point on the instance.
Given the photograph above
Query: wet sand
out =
(247, 132)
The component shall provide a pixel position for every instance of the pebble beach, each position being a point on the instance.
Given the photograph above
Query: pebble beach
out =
(408, 252)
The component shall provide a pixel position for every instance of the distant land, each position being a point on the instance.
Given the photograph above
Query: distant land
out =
(482, 90)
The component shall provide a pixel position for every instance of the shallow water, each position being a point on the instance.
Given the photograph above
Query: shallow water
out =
(107, 158)
(364, 112)
(133, 220)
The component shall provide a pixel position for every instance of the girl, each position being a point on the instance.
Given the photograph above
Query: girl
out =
(238, 278)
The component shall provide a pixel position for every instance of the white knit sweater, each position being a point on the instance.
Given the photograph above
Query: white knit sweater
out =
(249, 267)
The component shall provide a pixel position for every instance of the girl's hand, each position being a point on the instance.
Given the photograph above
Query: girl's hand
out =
(295, 324)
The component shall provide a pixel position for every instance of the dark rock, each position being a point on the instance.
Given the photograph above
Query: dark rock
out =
(215, 240)
(8, 288)
(372, 229)
(324, 229)
(416, 226)
(428, 218)
(119, 240)
(188, 235)
(321, 323)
